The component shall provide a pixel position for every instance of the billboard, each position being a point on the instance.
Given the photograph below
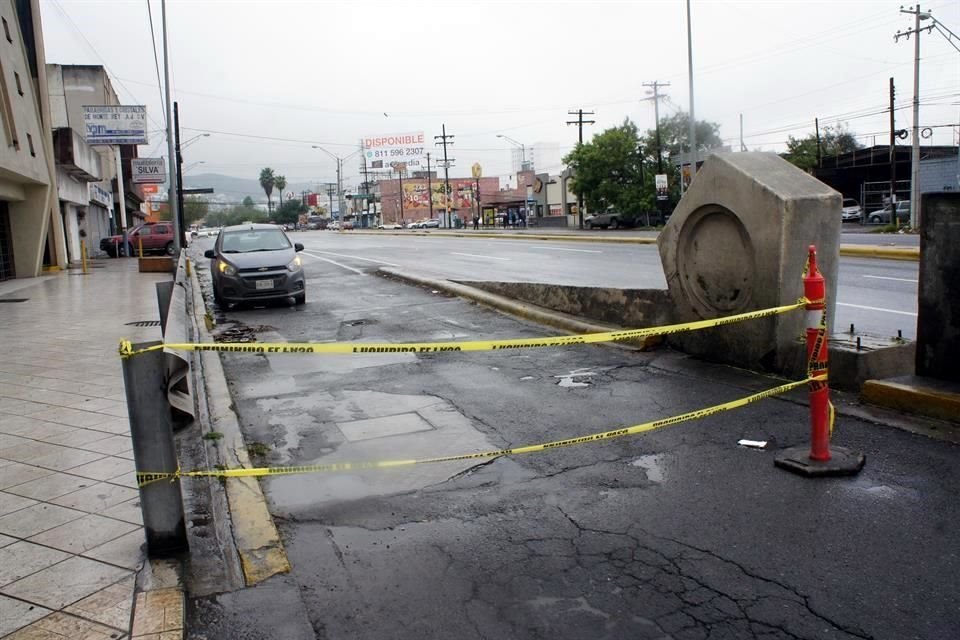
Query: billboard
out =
(148, 171)
(115, 124)
(415, 196)
(663, 192)
(383, 152)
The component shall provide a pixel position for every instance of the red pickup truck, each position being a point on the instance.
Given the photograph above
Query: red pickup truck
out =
(156, 237)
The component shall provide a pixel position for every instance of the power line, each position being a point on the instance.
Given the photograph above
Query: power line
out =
(580, 122)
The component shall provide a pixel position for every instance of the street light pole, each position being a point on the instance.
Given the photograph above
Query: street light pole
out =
(523, 150)
(692, 126)
(172, 152)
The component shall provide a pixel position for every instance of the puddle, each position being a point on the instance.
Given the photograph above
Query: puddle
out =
(577, 378)
(654, 465)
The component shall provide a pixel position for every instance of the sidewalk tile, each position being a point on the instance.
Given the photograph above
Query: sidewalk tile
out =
(114, 425)
(105, 468)
(158, 612)
(36, 519)
(62, 626)
(15, 614)
(95, 404)
(20, 407)
(16, 473)
(128, 511)
(84, 533)
(34, 428)
(71, 417)
(52, 486)
(111, 606)
(77, 437)
(6, 541)
(126, 551)
(67, 459)
(10, 503)
(111, 445)
(31, 450)
(22, 558)
(64, 583)
(96, 498)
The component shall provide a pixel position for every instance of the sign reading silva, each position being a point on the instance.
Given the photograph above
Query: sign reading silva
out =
(115, 124)
(382, 152)
(147, 170)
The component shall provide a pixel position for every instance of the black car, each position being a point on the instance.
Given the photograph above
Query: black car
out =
(251, 262)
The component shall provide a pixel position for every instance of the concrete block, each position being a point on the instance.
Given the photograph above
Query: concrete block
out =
(938, 308)
(160, 264)
(738, 242)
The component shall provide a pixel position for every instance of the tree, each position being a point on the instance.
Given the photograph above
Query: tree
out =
(280, 182)
(194, 209)
(248, 202)
(289, 212)
(674, 137)
(267, 180)
(834, 141)
(608, 171)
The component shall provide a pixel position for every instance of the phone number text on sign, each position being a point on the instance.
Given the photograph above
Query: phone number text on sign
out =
(409, 148)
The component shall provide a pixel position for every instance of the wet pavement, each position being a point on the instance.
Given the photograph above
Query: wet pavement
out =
(679, 533)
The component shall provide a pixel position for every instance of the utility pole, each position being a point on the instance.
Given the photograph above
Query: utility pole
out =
(656, 116)
(580, 122)
(330, 191)
(171, 151)
(429, 187)
(400, 168)
(692, 126)
(445, 140)
(182, 228)
(893, 148)
(816, 126)
(915, 151)
(743, 147)
(366, 192)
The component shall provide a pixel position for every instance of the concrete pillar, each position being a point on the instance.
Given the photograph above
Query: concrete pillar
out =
(938, 307)
(72, 231)
(737, 242)
(29, 221)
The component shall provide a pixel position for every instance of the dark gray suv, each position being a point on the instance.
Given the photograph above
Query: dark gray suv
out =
(251, 262)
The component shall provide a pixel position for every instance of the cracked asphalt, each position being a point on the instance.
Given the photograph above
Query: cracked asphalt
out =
(678, 533)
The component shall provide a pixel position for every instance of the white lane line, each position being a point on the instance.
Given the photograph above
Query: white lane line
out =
(889, 278)
(473, 255)
(564, 249)
(343, 255)
(860, 306)
(348, 268)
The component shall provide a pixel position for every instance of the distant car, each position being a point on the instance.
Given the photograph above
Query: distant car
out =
(430, 224)
(850, 210)
(347, 224)
(333, 226)
(390, 226)
(256, 262)
(883, 216)
(153, 237)
(605, 221)
(413, 225)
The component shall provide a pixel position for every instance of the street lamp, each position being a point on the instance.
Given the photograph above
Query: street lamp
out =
(523, 150)
(193, 139)
(193, 164)
(339, 162)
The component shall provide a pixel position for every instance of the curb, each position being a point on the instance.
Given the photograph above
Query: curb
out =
(523, 310)
(849, 250)
(255, 534)
(913, 398)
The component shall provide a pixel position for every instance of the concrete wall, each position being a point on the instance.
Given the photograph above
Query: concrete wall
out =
(738, 242)
(938, 308)
(941, 174)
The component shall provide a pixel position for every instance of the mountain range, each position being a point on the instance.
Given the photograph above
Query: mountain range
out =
(236, 189)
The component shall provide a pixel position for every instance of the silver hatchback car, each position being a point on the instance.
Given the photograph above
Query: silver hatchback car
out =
(256, 262)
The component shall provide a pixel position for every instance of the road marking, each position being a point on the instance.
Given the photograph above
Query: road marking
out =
(335, 262)
(860, 306)
(343, 255)
(473, 255)
(563, 249)
(889, 278)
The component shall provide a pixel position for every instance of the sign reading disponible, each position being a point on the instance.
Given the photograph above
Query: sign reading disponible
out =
(383, 152)
(115, 124)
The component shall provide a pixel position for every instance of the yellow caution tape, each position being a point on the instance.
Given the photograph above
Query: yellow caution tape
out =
(126, 348)
(147, 478)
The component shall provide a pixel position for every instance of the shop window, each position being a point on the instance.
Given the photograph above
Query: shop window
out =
(16, 76)
(6, 30)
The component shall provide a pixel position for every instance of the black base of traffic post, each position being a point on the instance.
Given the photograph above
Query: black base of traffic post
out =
(842, 462)
(154, 451)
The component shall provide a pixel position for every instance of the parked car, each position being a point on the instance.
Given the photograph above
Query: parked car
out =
(605, 221)
(413, 225)
(850, 210)
(154, 237)
(256, 262)
(390, 226)
(347, 224)
(430, 224)
(333, 226)
(883, 216)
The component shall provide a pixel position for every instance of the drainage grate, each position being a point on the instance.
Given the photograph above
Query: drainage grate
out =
(144, 323)
(14, 299)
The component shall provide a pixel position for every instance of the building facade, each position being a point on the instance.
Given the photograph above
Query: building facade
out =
(31, 236)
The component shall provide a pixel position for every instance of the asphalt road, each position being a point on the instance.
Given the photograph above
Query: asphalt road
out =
(678, 533)
(877, 296)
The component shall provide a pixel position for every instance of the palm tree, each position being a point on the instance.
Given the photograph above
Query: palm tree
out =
(267, 180)
(280, 182)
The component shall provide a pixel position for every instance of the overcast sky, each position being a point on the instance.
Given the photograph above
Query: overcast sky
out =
(324, 72)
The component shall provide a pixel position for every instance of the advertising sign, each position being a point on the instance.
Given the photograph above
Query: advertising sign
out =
(662, 188)
(115, 124)
(99, 193)
(148, 171)
(415, 196)
(383, 152)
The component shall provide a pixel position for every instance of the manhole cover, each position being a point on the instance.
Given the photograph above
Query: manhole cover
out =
(14, 299)
(144, 323)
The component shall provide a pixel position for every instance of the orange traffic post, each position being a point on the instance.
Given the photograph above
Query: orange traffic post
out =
(140, 243)
(818, 459)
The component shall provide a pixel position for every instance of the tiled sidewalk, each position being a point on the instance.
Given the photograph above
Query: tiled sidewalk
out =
(70, 524)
